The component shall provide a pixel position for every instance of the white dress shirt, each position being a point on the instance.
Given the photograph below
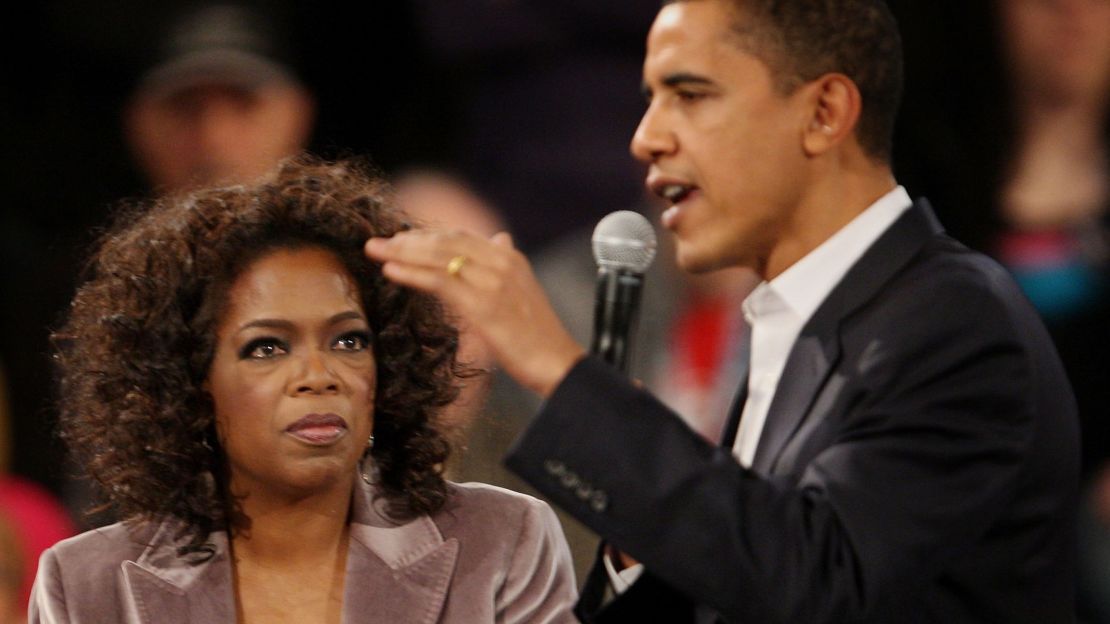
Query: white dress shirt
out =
(777, 310)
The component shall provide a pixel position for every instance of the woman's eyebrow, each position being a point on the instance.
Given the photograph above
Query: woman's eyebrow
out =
(273, 323)
(267, 324)
(346, 316)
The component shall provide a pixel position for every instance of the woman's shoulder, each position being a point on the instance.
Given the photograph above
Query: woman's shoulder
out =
(84, 570)
(478, 507)
(486, 493)
(485, 500)
(512, 548)
(102, 546)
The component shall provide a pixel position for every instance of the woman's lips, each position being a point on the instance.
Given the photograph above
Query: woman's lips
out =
(318, 429)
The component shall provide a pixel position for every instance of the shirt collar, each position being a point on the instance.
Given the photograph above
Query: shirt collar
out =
(804, 285)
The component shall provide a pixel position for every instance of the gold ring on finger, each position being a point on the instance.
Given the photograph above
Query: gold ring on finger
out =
(455, 265)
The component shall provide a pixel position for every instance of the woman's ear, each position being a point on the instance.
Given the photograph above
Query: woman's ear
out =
(836, 104)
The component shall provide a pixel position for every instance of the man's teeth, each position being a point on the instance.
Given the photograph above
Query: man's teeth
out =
(675, 192)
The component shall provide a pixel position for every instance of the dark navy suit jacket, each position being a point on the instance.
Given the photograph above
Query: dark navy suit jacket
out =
(919, 463)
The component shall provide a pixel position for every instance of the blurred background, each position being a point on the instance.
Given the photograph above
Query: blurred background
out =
(519, 112)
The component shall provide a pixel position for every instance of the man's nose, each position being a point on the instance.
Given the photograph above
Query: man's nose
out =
(651, 139)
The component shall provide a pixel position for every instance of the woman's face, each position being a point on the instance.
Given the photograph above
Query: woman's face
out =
(293, 376)
(1059, 49)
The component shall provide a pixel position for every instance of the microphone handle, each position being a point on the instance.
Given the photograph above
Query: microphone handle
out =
(616, 309)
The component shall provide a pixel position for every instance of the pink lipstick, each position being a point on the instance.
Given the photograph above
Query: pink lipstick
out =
(318, 429)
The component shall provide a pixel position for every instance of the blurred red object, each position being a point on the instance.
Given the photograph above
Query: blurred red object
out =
(39, 521)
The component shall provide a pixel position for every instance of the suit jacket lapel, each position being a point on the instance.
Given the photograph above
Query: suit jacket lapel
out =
(732, 425)
(397, 573)
(806, 369)
(162, 587)
(818, 346)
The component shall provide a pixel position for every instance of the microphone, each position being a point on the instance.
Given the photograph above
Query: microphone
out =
(624, 246)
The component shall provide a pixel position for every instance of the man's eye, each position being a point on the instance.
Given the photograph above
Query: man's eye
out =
(689, 96)
(263, 348)
(354, 341)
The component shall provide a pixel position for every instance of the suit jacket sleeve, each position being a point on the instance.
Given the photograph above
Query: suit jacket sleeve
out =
(928, 435)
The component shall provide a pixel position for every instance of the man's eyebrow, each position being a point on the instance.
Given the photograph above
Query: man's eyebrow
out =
(681, 78)
(675, 80)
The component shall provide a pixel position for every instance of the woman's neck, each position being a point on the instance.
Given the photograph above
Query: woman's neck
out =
(289, 557)
(288, 529)
(1058, 176)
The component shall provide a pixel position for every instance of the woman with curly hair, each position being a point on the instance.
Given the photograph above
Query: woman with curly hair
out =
(260, 405)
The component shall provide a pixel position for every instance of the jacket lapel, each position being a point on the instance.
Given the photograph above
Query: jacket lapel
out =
(806, 369)
(162, 587)
(817, 349)
(732, 425)
(397, 573)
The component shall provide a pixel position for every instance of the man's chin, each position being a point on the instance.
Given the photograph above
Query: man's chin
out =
(692, 262)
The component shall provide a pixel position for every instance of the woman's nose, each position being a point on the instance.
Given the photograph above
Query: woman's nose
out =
(316, 375)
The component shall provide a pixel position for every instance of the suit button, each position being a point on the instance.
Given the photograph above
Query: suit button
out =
(599, 501)
(555, 468)
(570, 480)
(583, 492)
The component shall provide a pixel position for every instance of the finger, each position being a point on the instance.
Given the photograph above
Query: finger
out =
(503, 239)
(471, 282)
(427, 248)
(435, 281)
(474, 263)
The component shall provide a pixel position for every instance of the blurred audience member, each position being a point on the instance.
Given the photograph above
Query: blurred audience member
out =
(1055, 206)
(1055, 191)
(221, 103)
(437, 199)
(1054, 200)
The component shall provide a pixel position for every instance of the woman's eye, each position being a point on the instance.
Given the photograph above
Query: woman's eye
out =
(263, 348)
(354, 341)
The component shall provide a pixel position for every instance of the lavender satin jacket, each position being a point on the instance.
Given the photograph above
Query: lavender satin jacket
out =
(490, 555)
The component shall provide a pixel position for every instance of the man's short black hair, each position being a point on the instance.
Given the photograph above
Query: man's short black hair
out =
(801, 40)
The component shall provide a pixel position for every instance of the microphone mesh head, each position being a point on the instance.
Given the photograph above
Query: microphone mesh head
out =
(624, 240)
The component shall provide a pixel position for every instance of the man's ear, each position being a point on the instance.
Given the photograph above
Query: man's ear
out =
(835, 109)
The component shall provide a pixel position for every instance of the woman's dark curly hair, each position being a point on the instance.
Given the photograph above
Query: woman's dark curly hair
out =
(139, 339)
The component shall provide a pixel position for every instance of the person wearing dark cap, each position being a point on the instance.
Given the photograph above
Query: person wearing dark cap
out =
(221, 103)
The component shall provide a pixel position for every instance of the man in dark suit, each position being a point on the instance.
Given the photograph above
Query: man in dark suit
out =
(904, 447)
